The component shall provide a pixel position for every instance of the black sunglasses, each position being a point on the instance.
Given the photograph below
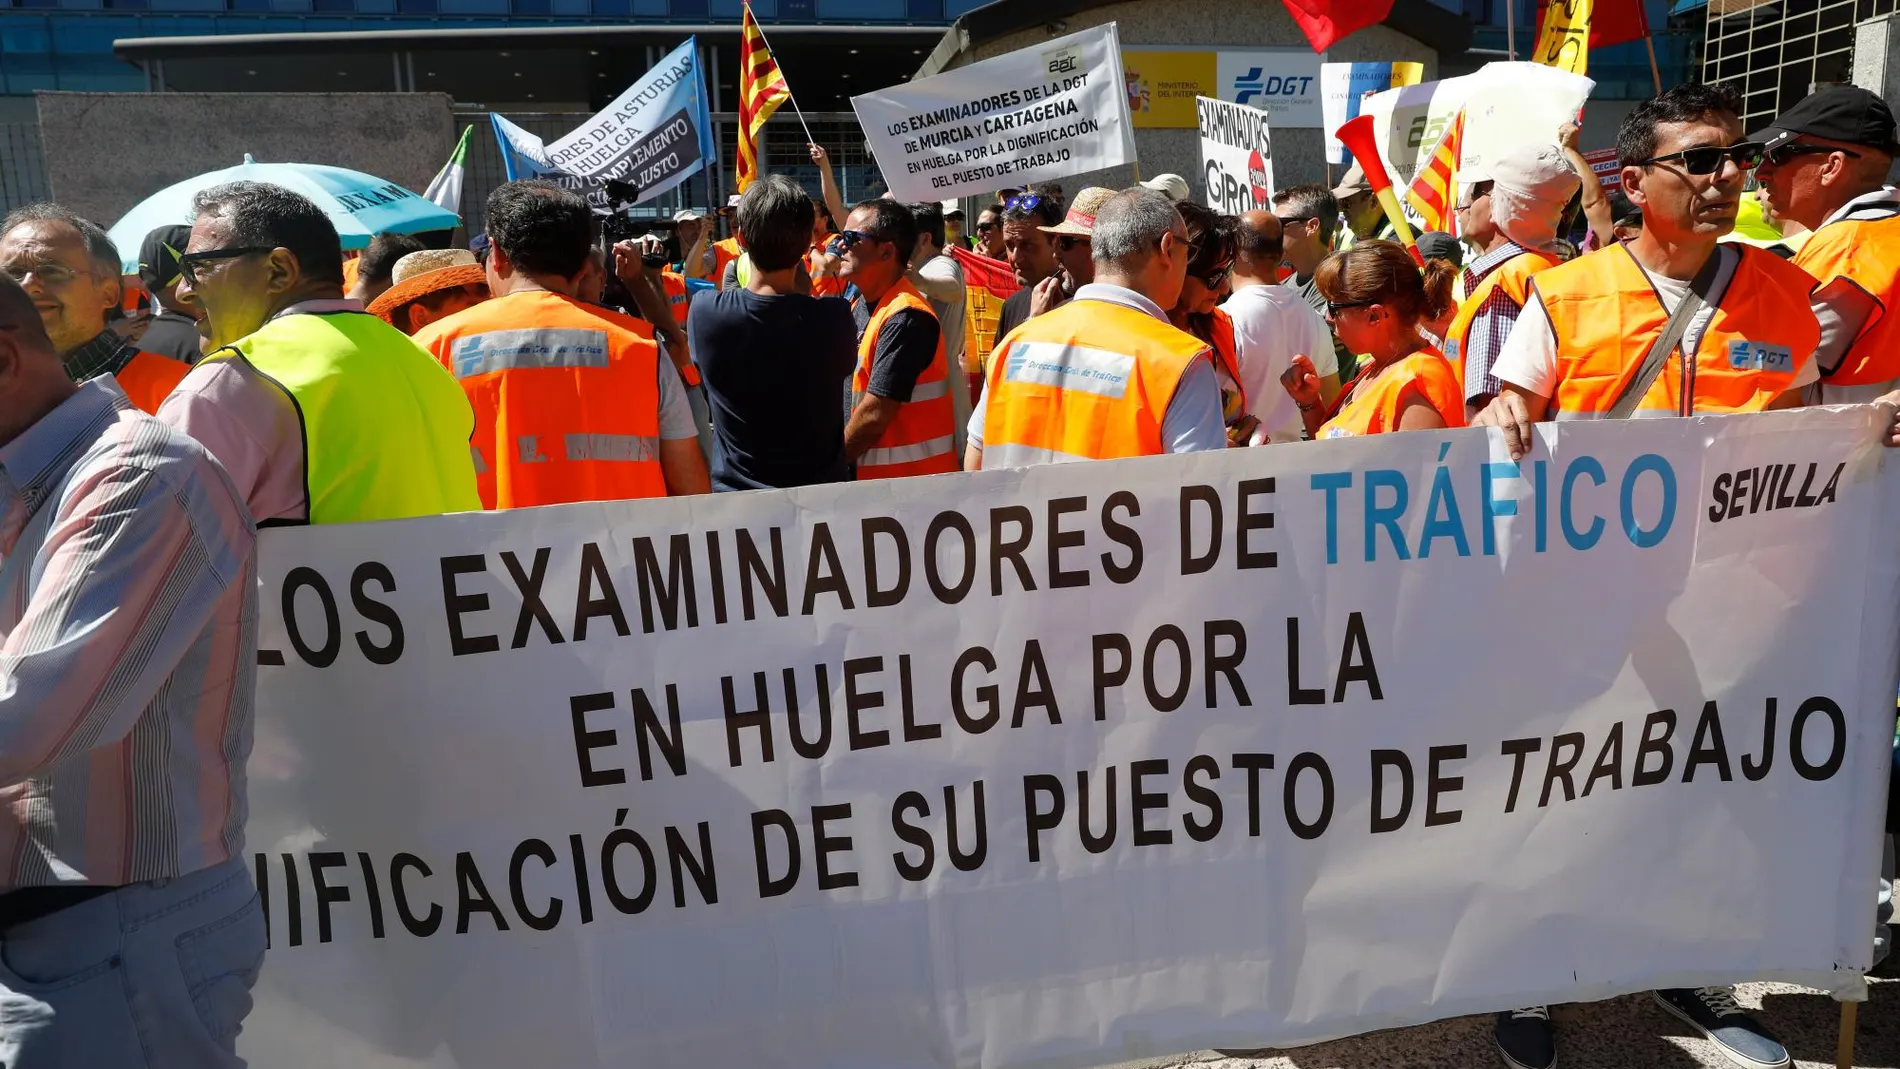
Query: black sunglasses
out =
(848, 238)
(188, 263)
(1707, 159)
(980, 227)
(1214, 276)
(1333, 308)
(1781, 154)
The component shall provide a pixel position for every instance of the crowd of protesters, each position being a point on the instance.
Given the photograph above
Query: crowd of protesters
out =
(817, 342)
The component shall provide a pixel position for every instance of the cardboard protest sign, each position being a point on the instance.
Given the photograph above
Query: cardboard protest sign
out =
(654, 136)
(1236, 156)
(1035, 115)
(1505, 105)
(1345, 86)
(1053, 765)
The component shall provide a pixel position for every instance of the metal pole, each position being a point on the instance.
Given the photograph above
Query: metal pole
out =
(1510, 28)
(409, 65)
(714, 202)
(395, 65)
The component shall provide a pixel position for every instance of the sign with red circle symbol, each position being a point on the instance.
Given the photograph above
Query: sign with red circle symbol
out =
(1260, 178)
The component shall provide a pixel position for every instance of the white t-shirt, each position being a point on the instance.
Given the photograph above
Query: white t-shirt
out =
(1529, 357)
(1272, 325)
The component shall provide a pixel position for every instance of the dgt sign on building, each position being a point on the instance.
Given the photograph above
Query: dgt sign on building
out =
(1163, 85)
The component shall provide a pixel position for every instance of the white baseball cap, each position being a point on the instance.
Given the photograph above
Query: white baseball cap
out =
(686, 215)
(1173, 185)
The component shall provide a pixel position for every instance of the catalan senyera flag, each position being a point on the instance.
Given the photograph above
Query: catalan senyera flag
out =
(1434, 193)
(762, 89)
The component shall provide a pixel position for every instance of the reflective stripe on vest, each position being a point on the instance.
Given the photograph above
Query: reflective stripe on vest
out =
(1605, 313)
(1090, 380)
(385, 427)
(1867, 252)
(1513, 276)
(921, 439)
(565, 410)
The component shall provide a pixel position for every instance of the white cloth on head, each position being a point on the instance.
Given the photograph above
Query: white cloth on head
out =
(1530, 185)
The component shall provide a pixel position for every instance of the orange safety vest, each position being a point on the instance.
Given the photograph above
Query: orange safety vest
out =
(1513, 276)
(1374, 407)
(566, 398)
(725, 251)
(676, 295)
(149, 378)
(822, 286)
(922, 439)
(1218, 332)
(1867, 252)
(1605, 315)
(1090, 380)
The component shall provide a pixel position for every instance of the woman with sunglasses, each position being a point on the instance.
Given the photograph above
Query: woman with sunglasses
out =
(1211, 251)
(1376, 298)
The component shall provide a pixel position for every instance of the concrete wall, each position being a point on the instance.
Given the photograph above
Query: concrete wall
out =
(105, 152)
(1209, 25)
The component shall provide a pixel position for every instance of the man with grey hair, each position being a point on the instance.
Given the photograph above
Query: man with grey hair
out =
(1106, 375)
(70, 268)
(321, 412)
(130, 931)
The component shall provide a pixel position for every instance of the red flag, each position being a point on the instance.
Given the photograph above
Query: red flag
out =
(1326, 21)
(1613, 22)
(982, 272)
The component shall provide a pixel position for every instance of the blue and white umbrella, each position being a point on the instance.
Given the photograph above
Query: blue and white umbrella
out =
(360, 205)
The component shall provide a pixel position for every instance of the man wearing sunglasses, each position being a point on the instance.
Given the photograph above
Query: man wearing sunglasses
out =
(1106, 375)
(902, 416)
(1824, 165)
(321, 412)
(70, 268)
(989, 233)
(1605, 337)
(1031, 252)
(1590, 342)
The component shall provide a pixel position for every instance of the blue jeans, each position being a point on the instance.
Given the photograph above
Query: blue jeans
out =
(154, 975)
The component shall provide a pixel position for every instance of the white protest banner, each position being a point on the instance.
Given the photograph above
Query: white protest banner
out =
(1080, 763)
(1283, 82)
(1343, 88)
(524, 155)
(1035, 115)
(654, 136)
(1506, 104)
(1236, 156)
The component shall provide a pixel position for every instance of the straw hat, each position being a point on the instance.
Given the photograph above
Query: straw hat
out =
(1080, 222)
(422, 273)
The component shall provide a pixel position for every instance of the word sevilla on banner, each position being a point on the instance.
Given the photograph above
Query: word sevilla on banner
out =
(1004, 767)
(1035, 115)
(1236, 156)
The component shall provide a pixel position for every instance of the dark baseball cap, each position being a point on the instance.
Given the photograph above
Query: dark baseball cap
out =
(1844, 113)
(158, 257)
(1438, 245)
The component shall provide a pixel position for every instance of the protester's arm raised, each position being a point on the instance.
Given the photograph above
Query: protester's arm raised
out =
(1596, 203)
(697, 265)
(828, 183)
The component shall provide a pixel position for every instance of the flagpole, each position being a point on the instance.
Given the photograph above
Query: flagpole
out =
(1510, 28)
(789, 95)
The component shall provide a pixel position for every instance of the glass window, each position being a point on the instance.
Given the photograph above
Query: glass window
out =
(474, 7)
(931, 10)
(415, 6)
(343, 6)
(22, 35)
(126, 4)
(534, 7)
(764, 9)
(860, 9)
(690, 7)
(91, 35)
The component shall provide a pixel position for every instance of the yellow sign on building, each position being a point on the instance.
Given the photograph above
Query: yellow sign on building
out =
(1162, 86)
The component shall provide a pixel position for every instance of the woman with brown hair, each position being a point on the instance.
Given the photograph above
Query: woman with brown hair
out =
(1212, 246)
(1376, 298)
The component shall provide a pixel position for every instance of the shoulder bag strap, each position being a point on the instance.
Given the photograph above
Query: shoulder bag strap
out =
(1668, 341)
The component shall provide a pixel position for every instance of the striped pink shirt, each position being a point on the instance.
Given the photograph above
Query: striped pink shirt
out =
(128, 647)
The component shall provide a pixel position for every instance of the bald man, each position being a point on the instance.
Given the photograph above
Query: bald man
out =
(128, 646)
(1272, 325)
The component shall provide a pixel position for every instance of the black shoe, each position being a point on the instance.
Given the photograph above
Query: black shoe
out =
(1526, 1040)
(1713, 1012)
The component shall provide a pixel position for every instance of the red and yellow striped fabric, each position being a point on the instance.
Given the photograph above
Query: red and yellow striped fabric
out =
(1434, 193)
(762, 89)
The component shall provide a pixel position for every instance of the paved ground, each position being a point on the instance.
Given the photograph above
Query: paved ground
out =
(1624, 1033)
